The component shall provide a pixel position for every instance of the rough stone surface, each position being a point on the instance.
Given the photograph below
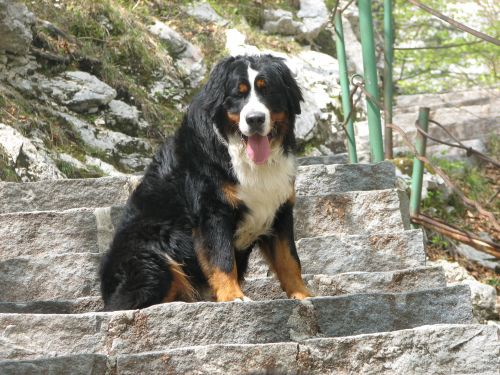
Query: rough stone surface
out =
(327, 159)
(51, 277)
(484, 259)
(354, 253)
(15, 27)
(441, 349)
(83, 290)
(65, 194)
(30, 162)
(125, 118)
(314, 16)
(189, 59)
(204, 12)
(29, 336)
(279, 21)
(361, 213)
(79, 364)
(327, 179)
(80, 91)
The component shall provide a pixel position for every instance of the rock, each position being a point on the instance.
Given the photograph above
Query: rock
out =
(278, 21)
(125, 118)
(482, 258)
(188, 58)
(136, 162)
(483, 296)
(107, 168)
(452, 154)
(15, 27)
(108, 141)
(71, 160)
(189, 324)
(316, 74)
(79, 91)
(314, 15)
(30, 162)
(328, 159)
(204, 12)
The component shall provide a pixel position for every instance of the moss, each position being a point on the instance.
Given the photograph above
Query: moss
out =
(71, 171)
(7, 172)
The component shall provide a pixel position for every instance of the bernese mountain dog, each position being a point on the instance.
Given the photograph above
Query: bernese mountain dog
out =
(221, 185)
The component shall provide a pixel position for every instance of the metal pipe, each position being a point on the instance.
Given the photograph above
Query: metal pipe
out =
(388, 83)
(370, 73)
(344, 84)
(418, 165)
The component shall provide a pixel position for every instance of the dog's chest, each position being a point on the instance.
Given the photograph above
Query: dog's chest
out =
(263, 189)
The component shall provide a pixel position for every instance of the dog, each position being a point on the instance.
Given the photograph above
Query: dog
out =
(221, 185)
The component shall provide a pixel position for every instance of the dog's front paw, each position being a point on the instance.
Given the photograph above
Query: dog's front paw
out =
(301, 295)
(243, 299)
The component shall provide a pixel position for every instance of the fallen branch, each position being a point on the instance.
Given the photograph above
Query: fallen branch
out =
(457, 234)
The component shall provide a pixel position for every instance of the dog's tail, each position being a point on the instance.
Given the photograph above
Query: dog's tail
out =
(142, 280)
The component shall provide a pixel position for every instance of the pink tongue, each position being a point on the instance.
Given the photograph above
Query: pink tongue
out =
(258, 148)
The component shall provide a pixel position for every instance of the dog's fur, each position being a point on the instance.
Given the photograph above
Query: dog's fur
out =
(203, 203)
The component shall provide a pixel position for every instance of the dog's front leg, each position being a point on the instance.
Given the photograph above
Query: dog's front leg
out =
(280, 252)
(215, 254)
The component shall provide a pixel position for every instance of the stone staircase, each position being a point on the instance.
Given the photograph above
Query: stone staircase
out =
(378, 308)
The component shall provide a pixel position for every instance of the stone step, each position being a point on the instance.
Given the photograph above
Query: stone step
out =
(91, 229)
(350, 253)
(437, 349)
(74, 275)
(82, 293)
(175, 325)
(358, 212)
(65, 194)
(326, 159)
(337, 178)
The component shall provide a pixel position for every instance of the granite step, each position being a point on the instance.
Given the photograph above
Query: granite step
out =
(337, 178)
(357, 212)
(46, 276)
(65, 194)
(467, 349)
(83, 295)
(62, 195)
(91, 229)
(342, 158)
(176, 325)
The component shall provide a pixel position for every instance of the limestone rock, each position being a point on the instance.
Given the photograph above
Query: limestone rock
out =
(125, 119)
(204, 12)
(79, 91)
(279, 21)
(314, 15)
(31, 163)
(15, 27)
(188, 58)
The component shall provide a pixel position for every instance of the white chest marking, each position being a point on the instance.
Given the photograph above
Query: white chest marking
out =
(262, 188)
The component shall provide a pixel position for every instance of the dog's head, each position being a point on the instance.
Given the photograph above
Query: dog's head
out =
(253, 100)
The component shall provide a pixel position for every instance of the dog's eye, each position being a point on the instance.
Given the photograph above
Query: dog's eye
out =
(243, 88)
(260, 83)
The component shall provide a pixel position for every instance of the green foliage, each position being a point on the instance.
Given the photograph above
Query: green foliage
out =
(72, 172)
(494, 281)
(473, 63)
(440, 242)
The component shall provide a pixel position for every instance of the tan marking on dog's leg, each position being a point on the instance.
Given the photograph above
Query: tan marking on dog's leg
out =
(225, 286)
(181, 288)
(286, 268)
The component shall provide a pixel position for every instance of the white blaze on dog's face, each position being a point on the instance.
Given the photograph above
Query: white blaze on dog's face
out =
(255, 117)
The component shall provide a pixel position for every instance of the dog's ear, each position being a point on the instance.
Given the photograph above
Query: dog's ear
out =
(214, 90)
(293, 92)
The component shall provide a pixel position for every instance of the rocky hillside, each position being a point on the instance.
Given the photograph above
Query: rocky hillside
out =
(90, 88)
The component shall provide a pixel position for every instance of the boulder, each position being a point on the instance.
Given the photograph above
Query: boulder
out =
(188, 58)
(314, 16)
(79, 91)
(15, 27)
(30, 162)
(125, 118)
(279, 21)
(204, 12)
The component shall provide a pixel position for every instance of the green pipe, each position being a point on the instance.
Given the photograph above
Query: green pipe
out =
(418, 166)
(370, 73)
(344, 84)
(388, 83)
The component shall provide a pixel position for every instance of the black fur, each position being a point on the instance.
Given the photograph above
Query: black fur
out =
(180, 202)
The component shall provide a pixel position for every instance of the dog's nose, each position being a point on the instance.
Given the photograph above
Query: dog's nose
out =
(255, 120)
